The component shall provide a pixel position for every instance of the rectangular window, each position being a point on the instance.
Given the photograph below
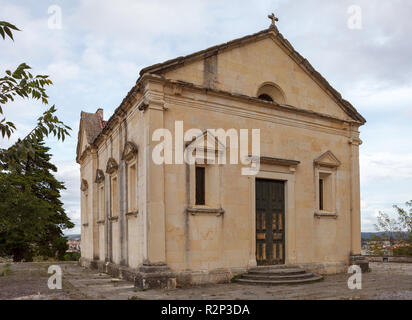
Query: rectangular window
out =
(321, 194)
(326, 192)
(132, 186)
(200, 186)
(115, 205)
(85, 213)
(101, 202)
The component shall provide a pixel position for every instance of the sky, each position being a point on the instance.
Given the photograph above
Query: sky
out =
(362, 48)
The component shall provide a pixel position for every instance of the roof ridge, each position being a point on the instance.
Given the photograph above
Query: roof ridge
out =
(163, 65)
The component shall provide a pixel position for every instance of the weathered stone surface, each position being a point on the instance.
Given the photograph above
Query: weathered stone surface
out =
(389, 259)
(360, 261)
(28, 281)
(155, 277)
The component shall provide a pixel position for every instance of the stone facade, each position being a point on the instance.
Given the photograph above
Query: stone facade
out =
(142, 218)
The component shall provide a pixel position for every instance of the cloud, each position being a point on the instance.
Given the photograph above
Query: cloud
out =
(63, 71)
(381, 166)
(69, 173)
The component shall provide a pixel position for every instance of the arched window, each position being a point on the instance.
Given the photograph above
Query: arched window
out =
(271, 92)
(265, 97)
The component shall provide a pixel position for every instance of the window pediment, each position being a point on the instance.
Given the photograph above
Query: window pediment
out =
(84, 185)
(129, 151)
(111, 166)
(328, 159)
(206, 147)
(99, 176)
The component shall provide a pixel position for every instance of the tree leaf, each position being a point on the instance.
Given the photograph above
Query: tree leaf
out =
(8, 32)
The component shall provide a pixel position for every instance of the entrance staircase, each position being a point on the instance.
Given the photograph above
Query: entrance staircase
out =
(278, 275)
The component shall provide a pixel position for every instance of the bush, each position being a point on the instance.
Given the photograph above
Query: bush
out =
(403, 251)
(71, 256)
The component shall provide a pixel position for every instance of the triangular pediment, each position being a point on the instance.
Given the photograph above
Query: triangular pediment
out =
(84, 185)
(89, 129)
(205, 147)
(129, 151)
(241, 66)
(82, 143)
(328, 159)
(206, 141)
(111, 166)
(99, 176)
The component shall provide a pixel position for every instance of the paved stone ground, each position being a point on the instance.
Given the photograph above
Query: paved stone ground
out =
(29, 281)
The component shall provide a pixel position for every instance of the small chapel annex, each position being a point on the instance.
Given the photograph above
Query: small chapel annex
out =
(162, 224)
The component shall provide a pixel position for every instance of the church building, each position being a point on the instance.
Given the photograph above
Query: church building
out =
(162, 224)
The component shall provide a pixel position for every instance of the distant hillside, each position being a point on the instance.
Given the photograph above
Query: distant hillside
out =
(365, 235)
(369, 235)
(73, 236)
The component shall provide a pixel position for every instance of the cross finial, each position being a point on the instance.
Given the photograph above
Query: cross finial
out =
(273, 18)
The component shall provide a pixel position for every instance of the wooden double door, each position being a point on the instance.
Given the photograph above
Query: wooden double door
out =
(270, 222)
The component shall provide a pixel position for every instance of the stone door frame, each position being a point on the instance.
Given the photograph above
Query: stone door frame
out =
(288, 176)
(271, 227)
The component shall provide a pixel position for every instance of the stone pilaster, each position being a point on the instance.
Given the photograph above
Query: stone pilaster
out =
(355, 142)
(107, 228)
(155, 195)
(122, 198)
(95, 213)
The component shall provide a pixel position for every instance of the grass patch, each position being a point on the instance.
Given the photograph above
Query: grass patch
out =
(6, 270)
(135, 298)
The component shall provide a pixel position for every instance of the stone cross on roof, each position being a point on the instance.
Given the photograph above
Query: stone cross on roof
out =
(273, 18)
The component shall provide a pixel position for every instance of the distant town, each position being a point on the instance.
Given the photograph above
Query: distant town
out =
(386, 244)
(73, 242)
(373, 243)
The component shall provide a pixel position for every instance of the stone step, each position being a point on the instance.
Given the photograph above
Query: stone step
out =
(280, 282)
(278, 277)
(276, 266)
(283, 271)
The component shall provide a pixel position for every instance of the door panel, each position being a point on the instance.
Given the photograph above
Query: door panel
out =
(270, 217)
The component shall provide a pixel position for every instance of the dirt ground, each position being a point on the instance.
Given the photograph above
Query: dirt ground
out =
(29, 281)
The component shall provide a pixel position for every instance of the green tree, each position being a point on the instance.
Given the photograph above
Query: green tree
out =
(22, 83)
(398, 228)
(400, 225)
(389, 226)
(405, 217)
(32, 216)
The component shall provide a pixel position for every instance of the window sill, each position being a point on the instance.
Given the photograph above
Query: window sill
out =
(205, 210)
(325, 214)
(132, 214)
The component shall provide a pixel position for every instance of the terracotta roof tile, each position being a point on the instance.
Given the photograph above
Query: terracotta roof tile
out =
(92, 125)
